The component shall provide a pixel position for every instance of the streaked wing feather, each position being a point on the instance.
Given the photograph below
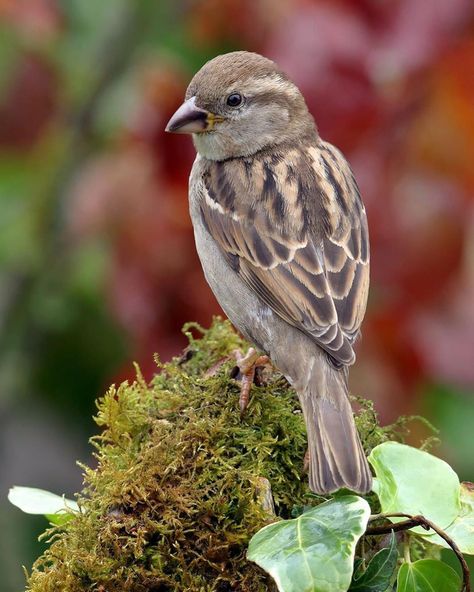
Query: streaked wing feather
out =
(317, 282)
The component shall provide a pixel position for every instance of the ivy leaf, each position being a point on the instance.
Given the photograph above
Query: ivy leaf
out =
(379, 572)
(462, 529)
(427, 575)
(415, 482)
(314, 552)
(30, 500)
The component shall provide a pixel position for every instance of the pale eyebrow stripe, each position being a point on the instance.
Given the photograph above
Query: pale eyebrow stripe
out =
(272, 83)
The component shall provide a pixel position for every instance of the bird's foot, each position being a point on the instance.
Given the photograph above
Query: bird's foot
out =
(248, 369)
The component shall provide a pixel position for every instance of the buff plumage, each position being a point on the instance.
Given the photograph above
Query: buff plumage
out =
(282, 235)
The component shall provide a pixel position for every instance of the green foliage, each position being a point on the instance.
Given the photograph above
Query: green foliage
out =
(441, 498)
(415, 482)
(427, 575)
(408, 481)
(182, 483)
(178, 488)
(30, 500)
(461, 530)
(314, 552)
(379, 572)
(452, 410)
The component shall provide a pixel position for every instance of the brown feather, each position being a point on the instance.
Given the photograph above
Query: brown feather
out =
(337, 458)
(295, 220)
(278, 213)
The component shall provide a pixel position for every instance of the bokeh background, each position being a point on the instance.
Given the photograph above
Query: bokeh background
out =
(97, 262)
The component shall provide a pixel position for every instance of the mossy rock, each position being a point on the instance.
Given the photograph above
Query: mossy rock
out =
(181, 482)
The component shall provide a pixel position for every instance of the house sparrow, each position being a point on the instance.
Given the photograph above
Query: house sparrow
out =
(281, 232)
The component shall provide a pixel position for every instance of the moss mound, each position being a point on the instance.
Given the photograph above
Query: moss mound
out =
(182, 481)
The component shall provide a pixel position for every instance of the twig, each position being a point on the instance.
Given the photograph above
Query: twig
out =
(418, 520)
(388, 528)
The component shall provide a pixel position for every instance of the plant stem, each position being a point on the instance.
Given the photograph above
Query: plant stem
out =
(418, 520)
(406, 548)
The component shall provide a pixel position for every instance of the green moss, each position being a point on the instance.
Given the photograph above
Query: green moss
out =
(180, 479)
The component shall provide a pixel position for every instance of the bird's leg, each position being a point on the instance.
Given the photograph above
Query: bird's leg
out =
(246, 366)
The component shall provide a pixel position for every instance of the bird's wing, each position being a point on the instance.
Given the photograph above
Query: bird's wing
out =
(293, 226)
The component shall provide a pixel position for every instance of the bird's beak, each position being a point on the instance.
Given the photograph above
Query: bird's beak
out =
(190, 119)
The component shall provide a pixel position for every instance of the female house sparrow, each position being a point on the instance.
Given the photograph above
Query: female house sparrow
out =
(282, 235)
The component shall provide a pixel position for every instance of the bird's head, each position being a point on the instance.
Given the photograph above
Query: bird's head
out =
(240, 103)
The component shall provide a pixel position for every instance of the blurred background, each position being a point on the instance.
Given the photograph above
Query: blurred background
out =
(97, 261)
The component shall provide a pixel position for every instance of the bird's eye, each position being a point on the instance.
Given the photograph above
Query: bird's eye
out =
(234, 100)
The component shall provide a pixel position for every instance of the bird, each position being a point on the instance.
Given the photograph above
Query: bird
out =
(281, 232)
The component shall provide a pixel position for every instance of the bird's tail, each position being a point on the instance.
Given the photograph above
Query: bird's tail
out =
(336, 457)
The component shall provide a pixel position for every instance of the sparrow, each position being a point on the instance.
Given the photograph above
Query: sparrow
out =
(281, 232)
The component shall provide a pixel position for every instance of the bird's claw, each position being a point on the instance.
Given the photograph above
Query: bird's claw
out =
(247, 368)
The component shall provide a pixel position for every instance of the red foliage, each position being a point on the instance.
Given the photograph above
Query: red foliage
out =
(30, 103)
(33, 19)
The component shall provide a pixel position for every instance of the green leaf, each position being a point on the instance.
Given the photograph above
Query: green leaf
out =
(379, 572)
(314, 552)
(30, 500)
(462, 529)
(412, 481)
(427, 575)
(59, 519)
